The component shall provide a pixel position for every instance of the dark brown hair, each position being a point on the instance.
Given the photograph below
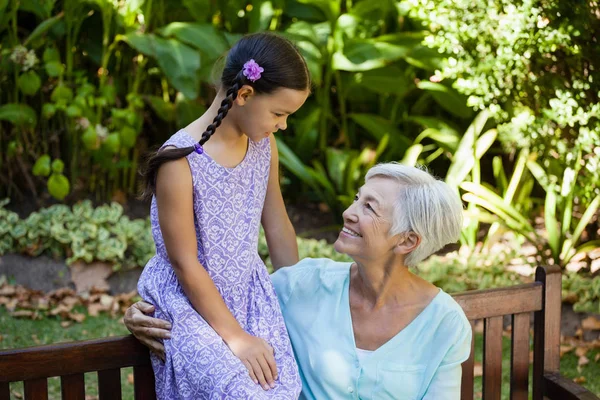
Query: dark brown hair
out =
(284, 67)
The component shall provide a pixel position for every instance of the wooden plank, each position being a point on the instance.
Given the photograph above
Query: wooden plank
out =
(479, 304)
(552, 280)
(468, 372)
(143, 383)
(492, 358)
(519, 356)
(36, 389)
(71, 358)
(546, 345)
(109, 384)
(72, 387)
(557, 387)
(4, 391)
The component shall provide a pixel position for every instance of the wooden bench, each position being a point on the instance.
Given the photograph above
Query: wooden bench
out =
(541, 298)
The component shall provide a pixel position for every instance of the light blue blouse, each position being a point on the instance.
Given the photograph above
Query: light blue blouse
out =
(423, 361)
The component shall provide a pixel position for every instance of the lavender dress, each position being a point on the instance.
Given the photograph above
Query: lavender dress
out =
(228, 204)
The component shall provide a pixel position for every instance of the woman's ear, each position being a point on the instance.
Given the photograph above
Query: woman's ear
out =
(407, 243)
(244, 94)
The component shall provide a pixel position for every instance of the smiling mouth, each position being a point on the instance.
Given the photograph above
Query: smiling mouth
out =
(350, 232)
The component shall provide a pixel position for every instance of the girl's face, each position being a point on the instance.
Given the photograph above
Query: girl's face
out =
(260, 115)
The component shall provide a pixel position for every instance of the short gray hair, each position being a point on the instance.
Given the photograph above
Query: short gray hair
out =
(425, 205)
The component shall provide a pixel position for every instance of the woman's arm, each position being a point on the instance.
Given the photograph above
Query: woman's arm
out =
(176, 218)
(279, 231)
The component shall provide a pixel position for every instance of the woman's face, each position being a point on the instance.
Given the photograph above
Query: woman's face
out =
(260, 115)
(368, 221)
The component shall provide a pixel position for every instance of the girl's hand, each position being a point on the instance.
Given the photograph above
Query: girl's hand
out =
(258, 357)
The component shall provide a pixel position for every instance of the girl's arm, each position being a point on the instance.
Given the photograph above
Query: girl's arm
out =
(176, 218)
(279, 231)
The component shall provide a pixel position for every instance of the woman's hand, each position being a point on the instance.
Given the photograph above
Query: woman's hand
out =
(147, 329)
(258, 357)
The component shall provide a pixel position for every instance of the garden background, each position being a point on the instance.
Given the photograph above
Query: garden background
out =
(498, 98)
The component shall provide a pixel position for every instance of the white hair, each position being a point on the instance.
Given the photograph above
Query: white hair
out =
(425, 205)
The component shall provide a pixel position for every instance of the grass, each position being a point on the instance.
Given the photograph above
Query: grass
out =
(16, 333)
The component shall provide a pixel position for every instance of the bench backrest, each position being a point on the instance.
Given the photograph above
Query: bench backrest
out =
(71, 360)
(520, 303)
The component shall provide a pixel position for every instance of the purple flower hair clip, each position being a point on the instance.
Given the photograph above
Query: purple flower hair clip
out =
(198, 148)
(252, 70)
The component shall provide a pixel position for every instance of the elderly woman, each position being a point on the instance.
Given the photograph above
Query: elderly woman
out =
(371, 329)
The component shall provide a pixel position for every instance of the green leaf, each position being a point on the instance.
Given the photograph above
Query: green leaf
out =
(331, 9)
(178, 61)
(128, 137)
(261, 15)
(464, 158)
(41, 8)
(425, 58)
(51, 54)
(21, 115)
(204, 37)
(43, 28)
(551, 222)
(367, 54)
(387, 80)
(378, 127)
(164, 110)
(112, 143)
(448, 98)
(495, 204)
(585, 219)
(54, 68)
(29, 83)
(90, 139)
(411, 157)
(42, 166)
(58, 166)
(337, 161)
(58, 186)
(199, 9)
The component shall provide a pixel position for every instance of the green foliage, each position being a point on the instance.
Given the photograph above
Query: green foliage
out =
(531, 64)
(78, 233)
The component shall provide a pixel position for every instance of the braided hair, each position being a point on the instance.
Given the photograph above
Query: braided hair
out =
(283, 67)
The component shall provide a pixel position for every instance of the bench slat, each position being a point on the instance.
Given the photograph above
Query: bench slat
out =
(143, 383)
(519, 367)
(72, 387)
(492, 358)
(479, 304)
(71, 358)
(109, 384)
(468, 372)
(36, 389)
(5, 391)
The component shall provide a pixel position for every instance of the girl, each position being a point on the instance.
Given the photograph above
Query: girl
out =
(209, 198)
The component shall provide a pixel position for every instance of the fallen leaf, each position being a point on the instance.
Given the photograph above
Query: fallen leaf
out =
(579, 333)
(591, 323)
(12, 304)
(36, 339)
(477, 369)
(579, 380)
(130, 378)
(581, 351)
(17, 394)
(583, 360)
(4, 300)
(70, 301)
(61, 310)
(22, 314)
(89, 276)
(8, 291)
(595, 358)
(78, 317)
(66, 324)
(94, 309)
(564, 349)
(106, 300)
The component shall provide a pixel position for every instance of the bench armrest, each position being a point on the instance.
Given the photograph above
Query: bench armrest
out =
(558, 387)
